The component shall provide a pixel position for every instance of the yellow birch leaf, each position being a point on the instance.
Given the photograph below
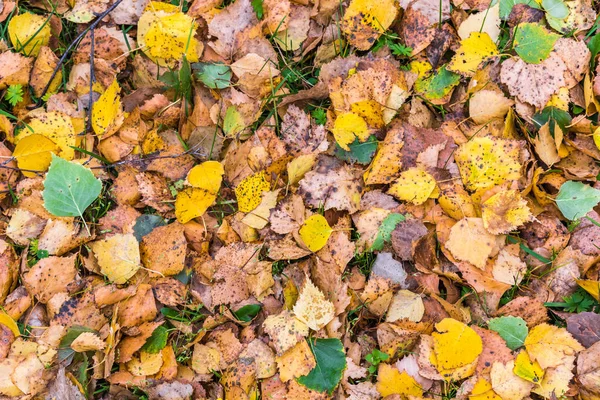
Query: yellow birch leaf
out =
(387, 162)
(55, 126)
(370, 110)
(192, 203)
(365, 20)
(118, 257)
(145, 364)
(34, 153)
(347, 127)
(165, 35)
(556, 380)
(259, 217)
(313, 308)
(249, 191)
(207, 176)
(549, 344)
(483, 391)
(504, 212)
(527, 369)
(296, 362)
(469, 241)
(592, 287)
(456, 348)
(413, 185)
(506, 384)
(391, 381)
(473, 51)
(10, 323)
(29, 32)
(484, 162)
(107, 112)
(300, 166)
(285, 330)
(315, 232)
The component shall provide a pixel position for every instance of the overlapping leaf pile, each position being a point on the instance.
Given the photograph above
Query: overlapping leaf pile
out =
(300, 199)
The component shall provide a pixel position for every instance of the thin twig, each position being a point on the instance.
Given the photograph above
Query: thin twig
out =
(71, 46)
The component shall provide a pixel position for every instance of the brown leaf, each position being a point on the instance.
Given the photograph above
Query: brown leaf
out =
(163, 250)
(50, 276)
(585, 327)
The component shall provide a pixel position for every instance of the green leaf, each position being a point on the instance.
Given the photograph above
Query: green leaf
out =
(360, 153)
(576, 199)
(69, 188)
(437, 85)
(214, 76)
(157, 341)
(594, 46)
(533, 43)
(331, 363)
(385, 230)
(512, 329)
(506, 6)
(555, 8)
(65, 352)
(553, 115)
(14, 94)
(257, 6)
(247, 313)
(145, 224)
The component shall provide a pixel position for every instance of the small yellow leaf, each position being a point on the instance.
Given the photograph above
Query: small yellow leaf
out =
(474, 50)
(387, 162)
(549, 344)
(483, 391)
(348, 127)
(504, 212)
(166, 34)
(592, 287)
(34, 153)
(207, 176)
(484, 162)
(527, 369)
(365, 20)
(55, 126)
(300, 166)
(10, 323)
(192, 203)
(315, 232)
(313, 308)
(469, 241)
(413, 185)
(145, 364)
(370, 110)
(506, 383)
(29, 32)
(391, 381)
(249, 191)
(296, 362)
(118, 257)
(456, 348)
(406, 305)
(107, 113)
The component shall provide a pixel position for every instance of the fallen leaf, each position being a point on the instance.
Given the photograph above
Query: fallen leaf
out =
(312, 308)
(118, 257)
(470, 241)
(455, 348)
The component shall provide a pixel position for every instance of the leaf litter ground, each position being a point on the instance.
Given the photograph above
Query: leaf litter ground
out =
(300, 200)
